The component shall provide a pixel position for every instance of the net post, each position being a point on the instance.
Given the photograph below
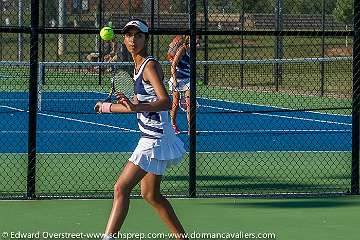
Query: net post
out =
(192, 152)
(33, 95)
(356, 101)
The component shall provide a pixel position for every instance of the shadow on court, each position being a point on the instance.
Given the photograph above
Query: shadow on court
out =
(212, 178)
(293, 203)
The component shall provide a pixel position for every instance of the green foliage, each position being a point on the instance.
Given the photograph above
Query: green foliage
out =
(179, 6)
(292, 7)
(343, 11)
(309, 6)
(268, 6)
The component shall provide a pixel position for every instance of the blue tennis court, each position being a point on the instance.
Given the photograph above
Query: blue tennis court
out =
(243, 127)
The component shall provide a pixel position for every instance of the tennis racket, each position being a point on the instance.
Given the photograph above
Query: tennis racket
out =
(121, 81)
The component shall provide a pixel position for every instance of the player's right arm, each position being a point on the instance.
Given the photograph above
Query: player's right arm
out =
(105, 107)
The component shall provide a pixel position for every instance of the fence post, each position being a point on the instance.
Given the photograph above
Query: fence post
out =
(206, 41)
(279, 8)
(322, 64)
(33, 99)
(356, 101)
(61, 23)
(152, 25)
(242, 22)
(99, 18)
(21, 35)
(158, 26)
(1, 34)
(43, 42)
(192, 152)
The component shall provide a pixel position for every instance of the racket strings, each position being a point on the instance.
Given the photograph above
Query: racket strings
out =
(124, 83)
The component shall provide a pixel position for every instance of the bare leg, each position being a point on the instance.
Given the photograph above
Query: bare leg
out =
(187, 96)
(129, 177)
(150, 191)
(174, 107)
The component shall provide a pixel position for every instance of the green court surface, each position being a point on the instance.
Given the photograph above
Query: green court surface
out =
(289, 219)
(217, 173)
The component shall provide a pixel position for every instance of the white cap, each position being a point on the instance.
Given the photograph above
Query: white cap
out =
(138, 24)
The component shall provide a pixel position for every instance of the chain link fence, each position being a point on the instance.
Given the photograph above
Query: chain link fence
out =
(273, 81)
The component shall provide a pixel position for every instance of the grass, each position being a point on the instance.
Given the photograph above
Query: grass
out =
(278, 99)
(299, 76)
(220, 47)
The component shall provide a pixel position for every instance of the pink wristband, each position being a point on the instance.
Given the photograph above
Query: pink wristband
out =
(106, 107)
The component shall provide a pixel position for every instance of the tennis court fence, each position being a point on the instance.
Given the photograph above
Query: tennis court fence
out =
(331, 77)
(275, 97)
(261, 130)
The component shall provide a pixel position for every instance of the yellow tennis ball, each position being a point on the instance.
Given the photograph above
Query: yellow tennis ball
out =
(106, 33)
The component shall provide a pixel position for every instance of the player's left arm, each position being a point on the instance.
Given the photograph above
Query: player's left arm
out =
(153, 74)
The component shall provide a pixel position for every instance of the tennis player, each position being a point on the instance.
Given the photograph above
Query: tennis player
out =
(158, 147)
(180, 81)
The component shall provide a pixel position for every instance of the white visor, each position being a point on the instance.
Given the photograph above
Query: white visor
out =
(138, 24)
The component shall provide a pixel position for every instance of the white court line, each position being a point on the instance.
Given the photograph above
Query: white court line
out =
(261, 105)
(51, 99)
(233, 110)
(281, 116)
(210, 99)
(279, 131)
(60, 131)
(200, 131)
(75, 120)
(204, 152)
(69, 153)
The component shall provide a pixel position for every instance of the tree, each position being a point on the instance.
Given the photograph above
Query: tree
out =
(292, 7)
(343, 11)
(179, 6)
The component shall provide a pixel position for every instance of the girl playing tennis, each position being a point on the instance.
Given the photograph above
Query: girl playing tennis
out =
(180, 81)
(158, 146)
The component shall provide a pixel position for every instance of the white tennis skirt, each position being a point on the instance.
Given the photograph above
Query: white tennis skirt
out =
(183, 84)
(156, 155)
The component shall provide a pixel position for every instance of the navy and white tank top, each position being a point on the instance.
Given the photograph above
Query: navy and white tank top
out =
(183, 67)
(153, 125)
